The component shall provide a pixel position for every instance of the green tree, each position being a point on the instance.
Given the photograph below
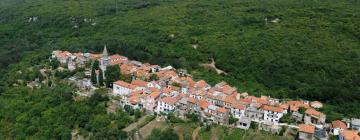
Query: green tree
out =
(93, 76)
(101, 78)
(232, 119)
(96, 64)
(153, 77)
(112, 74)
(193, 117)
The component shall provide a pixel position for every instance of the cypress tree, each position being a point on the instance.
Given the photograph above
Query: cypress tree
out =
(96, 64)
(101, 78)
(93, 76)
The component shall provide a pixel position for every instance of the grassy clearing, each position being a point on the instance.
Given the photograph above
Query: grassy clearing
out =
(224, 133)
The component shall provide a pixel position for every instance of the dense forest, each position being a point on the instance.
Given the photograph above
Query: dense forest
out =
(304, 49)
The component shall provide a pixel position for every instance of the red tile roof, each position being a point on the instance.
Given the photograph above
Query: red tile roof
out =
(201, 84)
(126, 69)
(153, 89)
(139, 83)
(169, 100)
(154, 95)
(124, 84)
(307, 128)
(246, 101)
(222, 110)
(272, 108)
(116, 56)
(350, 135)
(313, 112)
(238, 106)
(192, 100)
(284, 106)
(203, 104)
(338, 124)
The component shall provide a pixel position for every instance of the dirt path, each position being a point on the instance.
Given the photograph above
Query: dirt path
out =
(214, 135)
(146, 130)
(195, 133)
(134, 125)
(112, 107)
(178, 132)
(213, 66)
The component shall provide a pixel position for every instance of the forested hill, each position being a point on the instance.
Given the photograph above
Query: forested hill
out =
(306, 49)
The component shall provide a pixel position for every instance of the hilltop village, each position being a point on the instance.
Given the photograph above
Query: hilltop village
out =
(165, 90)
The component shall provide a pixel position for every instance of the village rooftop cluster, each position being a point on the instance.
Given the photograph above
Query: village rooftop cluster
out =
(175, 91)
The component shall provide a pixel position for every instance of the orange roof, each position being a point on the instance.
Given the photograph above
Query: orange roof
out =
(166, 90)
(136, 93)
(230, 99)
(238, 106)
(311, 111)
(192, 100)
(153, 89)
(116, 56)
(350, 135)
(169, 100)
(117, 59)
(222, 110)
(166, 74)
(139, 83)
(95, 56)
(298, 104)
(261, 101)
(272, 108)
(307, 128)
(141, 73)
(134, 99)
(228, 89)
(284, 106)
(126, 69)
(154, 95)
(124, 84)
(203, 104)
(294, 108)
(338, 124)
(246, 100)
(201, 84)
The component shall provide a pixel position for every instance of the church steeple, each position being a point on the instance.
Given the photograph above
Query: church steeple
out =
(104, 61)
(105, 52)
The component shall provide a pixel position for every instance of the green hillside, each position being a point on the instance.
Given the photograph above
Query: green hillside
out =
(306, 49)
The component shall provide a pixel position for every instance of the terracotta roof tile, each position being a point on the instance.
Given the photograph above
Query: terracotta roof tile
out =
(313, 112)
(192, 100)
(272, 108)
(201, 84)
(222, 110)
(139, 83)
(169, 100)
(338, 124)
(154, 95)
(307, 128)
(238, 106)
(203, 104)
(124, 84)
(350, 135)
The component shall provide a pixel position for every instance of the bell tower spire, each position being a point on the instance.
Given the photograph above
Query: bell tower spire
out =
(104, 61)
(105, 52)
